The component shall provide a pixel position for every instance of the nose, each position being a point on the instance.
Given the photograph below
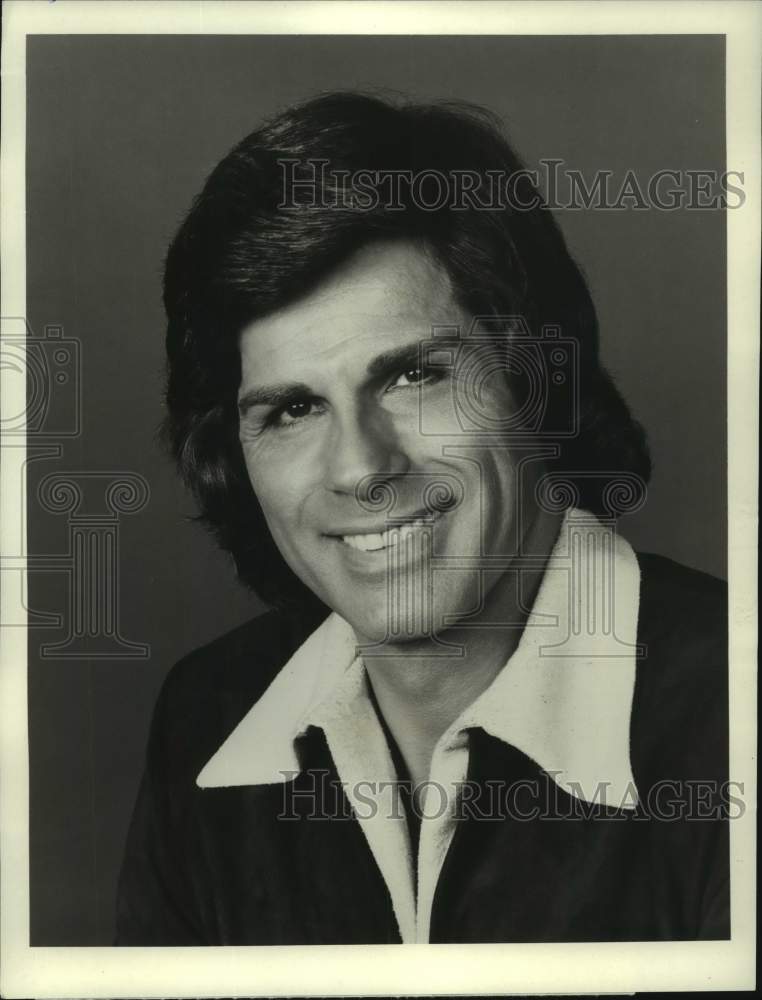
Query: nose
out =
(363, 444)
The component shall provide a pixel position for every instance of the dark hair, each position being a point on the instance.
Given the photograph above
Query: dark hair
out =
(242, 253)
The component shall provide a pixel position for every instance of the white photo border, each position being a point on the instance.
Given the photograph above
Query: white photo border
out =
(388, 970)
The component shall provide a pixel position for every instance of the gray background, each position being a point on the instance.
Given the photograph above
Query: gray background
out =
(121, 133)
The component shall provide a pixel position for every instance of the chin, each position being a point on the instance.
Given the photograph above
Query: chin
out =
(378, 622)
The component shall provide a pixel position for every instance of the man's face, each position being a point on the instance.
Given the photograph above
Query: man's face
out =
(333, 398)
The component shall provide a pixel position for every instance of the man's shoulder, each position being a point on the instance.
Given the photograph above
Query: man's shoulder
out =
(680, 591)
(247, 657)
(680, 706)
(209, 690)
(682, 611)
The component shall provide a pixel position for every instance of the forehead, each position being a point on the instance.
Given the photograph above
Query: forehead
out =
(384, 296)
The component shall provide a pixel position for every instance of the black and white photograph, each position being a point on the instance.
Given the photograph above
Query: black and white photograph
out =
(379, 498)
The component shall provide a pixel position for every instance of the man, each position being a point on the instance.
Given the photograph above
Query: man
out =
(473, 714)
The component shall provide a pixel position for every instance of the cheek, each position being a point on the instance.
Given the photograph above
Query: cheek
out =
(276, 483)
(501, 483)
(493, 482)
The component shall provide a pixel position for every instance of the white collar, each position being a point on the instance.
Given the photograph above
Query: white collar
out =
(564, 698)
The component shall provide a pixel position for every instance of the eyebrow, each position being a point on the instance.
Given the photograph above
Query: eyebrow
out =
(401, 358)
(278, 394)
(282, 393)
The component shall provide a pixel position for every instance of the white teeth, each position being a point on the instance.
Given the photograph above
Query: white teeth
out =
(368, 543)
(383, 539)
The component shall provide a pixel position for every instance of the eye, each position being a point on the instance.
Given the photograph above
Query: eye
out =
(296, 410)
(292, 413)
(412, 376)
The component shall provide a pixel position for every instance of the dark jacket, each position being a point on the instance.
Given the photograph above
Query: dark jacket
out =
(216, 866)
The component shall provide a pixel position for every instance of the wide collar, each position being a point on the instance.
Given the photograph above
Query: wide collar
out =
(564, 698)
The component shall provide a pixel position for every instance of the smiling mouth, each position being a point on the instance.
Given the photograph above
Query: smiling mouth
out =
(394, 535)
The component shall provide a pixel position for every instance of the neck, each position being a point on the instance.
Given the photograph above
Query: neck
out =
(421, 695)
